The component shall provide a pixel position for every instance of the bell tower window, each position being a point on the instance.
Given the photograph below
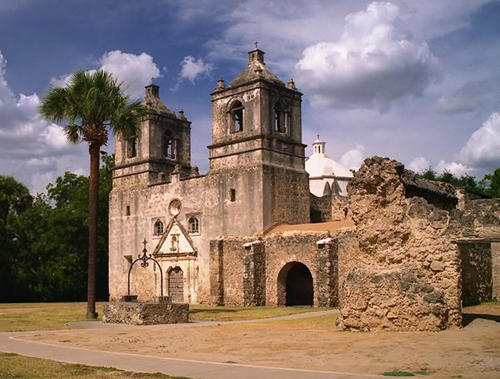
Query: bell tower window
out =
(236, 113)
(168, 145)
(280, 120)
(132, 147)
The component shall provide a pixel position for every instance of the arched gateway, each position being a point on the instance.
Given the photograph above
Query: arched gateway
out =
(295, 285)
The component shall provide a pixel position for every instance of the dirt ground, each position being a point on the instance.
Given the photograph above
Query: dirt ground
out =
(470, 352)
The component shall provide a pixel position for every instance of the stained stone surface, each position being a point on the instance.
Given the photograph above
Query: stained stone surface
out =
(405, 272)
(145, 313)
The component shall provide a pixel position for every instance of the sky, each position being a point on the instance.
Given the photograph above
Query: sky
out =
(416, 81)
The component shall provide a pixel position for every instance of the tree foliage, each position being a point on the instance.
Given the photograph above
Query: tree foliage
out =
(489, 186)
(91, 104)
(44, 239)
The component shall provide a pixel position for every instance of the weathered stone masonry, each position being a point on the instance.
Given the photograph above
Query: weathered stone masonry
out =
(245, 271)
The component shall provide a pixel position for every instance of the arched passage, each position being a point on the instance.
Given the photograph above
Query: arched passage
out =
(176, 285)
(295, 285)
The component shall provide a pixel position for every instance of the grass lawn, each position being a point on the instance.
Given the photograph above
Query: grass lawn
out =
(37, 316)
(206, 313)
(17, 366)
(43, 316)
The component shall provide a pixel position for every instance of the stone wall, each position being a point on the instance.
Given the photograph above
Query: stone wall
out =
(481, 219)
(340, 208)
(321, 208)
(476, 272)
(405, 274)
(145, 313)
(246, 271)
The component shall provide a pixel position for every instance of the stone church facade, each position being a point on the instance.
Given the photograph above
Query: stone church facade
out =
(256, 180)
(398, 253)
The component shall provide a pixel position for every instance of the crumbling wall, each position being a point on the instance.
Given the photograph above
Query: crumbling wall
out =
(476, 272)
(340, 208)
(481, 219)
(321, 208)
(245, 271)
(406, 274)
(316, 250)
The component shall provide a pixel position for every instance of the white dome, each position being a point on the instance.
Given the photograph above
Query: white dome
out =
(320, 165)
(325, 175)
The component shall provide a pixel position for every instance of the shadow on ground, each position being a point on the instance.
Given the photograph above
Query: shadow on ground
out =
(467, 318)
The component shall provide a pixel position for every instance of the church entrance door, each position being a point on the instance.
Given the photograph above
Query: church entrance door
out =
(176, 285)
(295, 285)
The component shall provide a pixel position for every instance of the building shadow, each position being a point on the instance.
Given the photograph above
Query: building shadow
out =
(467, 318)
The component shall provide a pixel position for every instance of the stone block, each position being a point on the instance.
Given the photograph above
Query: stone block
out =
(145, 313)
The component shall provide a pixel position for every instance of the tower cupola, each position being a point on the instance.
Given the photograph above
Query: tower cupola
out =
(319, 146)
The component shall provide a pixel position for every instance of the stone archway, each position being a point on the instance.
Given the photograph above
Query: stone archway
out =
(176, 284)
(295, 285)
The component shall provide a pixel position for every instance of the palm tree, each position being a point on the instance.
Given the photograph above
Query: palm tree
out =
(89, 105)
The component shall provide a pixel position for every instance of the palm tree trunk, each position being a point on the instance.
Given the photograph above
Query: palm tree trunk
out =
(94, 150)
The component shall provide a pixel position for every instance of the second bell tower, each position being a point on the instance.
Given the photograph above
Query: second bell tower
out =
(257, 146)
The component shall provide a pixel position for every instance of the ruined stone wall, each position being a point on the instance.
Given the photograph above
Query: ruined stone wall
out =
(476, 272)
(285, 196)
(227, 271)
(321, 208)
(481, 219)
(407, 270)
(340, 208)
(245, 271)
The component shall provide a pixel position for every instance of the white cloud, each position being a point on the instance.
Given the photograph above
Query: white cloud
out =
(134, 71)
(34, 150)
(192, 68)
(456, 168)
(479, 155)
(419, 164)
(371, 64)
(353, 158)
(483, 147)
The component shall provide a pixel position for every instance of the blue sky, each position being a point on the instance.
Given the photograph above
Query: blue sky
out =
(415, 81)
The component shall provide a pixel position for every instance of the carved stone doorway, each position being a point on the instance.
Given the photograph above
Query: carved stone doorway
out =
(176, 285)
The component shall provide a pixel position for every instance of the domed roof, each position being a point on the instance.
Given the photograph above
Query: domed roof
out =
(153, 102)
(256, 69)
(319, 164)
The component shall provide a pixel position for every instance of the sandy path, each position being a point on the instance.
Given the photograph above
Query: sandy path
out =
(472, 352)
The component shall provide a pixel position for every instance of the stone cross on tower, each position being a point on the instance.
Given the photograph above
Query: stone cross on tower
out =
(256, 45)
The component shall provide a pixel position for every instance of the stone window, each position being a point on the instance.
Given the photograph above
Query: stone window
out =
(236, 113)
(233, 194)
(168, 145)
(127, 210)
(158, 228)
(193, 225)
(132, 147)
(281, 117)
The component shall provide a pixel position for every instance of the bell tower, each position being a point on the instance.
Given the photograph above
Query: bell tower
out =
(257, 147)
(256, 119)
(163, 145)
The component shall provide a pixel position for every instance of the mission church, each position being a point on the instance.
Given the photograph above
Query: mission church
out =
(256, 181)
(268, 226)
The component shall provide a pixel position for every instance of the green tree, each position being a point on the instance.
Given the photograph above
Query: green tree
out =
(43, 243)
(491, 182)
(488, 186)
(14, 200)
(91, 104)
